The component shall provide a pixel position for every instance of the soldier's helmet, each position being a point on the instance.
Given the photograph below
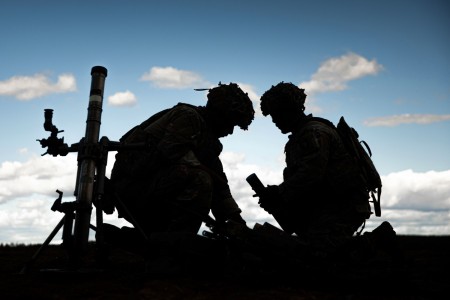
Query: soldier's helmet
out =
(283, 97)
(229, 101)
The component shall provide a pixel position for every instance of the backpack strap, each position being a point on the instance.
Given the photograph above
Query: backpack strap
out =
(321, 120)
(367, 147)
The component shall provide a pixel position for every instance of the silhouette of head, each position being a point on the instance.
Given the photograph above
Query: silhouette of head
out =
(285, 103)
(229, 106)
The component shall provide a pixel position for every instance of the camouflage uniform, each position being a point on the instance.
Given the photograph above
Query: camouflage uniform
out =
(178, 178)
(322, 190)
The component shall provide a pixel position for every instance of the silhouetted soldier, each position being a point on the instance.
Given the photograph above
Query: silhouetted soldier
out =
(321, 198)
(180, 178)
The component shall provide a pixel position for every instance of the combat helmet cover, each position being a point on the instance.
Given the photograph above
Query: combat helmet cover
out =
(230, 101)
(283, 96)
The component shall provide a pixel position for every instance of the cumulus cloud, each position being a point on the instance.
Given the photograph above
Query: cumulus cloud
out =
(237, 171)
(414, 202)
(429, 191)
(391, 121)
(334, 73)
(38, 175)
(27, 192)
(30, 87)
(169, 77)
(30, 220)
(126, 98)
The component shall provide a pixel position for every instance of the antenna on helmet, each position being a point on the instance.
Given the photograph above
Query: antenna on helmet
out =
(207, 89)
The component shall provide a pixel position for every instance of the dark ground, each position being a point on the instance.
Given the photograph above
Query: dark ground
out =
(425, 274)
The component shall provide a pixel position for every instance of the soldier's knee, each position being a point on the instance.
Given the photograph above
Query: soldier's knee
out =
(198, 190)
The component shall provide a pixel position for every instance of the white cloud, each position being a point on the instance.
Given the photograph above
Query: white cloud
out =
(38, 175)
(415, 203)
(334, 73)
(429, 191)
(414, 222)
(30, 220)
(27, 192)
(407, 197)
(126, 98)
(395, 120)
(30, 87)
(169, 77)
(237, 171)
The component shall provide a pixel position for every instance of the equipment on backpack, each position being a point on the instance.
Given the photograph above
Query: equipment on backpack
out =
(362, 156)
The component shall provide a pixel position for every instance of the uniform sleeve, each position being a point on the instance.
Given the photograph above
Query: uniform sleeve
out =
(307, 158)
(223, 204)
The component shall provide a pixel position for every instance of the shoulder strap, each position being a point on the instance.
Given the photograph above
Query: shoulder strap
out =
(150, 120)
(144, 124)
(323, 121)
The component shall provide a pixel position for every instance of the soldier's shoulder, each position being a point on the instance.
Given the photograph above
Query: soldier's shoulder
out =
(316, 124)
(319, 122)
(185, 107)
(185, 110)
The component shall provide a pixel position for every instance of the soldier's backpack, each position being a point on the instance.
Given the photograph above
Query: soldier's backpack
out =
(362, 155)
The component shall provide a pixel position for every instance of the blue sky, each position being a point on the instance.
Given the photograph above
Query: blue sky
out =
(384, 65)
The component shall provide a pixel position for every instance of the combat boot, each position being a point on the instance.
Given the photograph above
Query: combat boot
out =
(384, 239)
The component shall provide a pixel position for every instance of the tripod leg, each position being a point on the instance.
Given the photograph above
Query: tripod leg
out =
(45, 244)
(99, 196)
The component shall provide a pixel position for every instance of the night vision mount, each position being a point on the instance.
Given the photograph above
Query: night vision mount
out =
(55, 146)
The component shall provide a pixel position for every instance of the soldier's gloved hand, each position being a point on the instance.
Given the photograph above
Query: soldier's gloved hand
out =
(270, 199)
(236, 225)
(237, 218)
(225, 224)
